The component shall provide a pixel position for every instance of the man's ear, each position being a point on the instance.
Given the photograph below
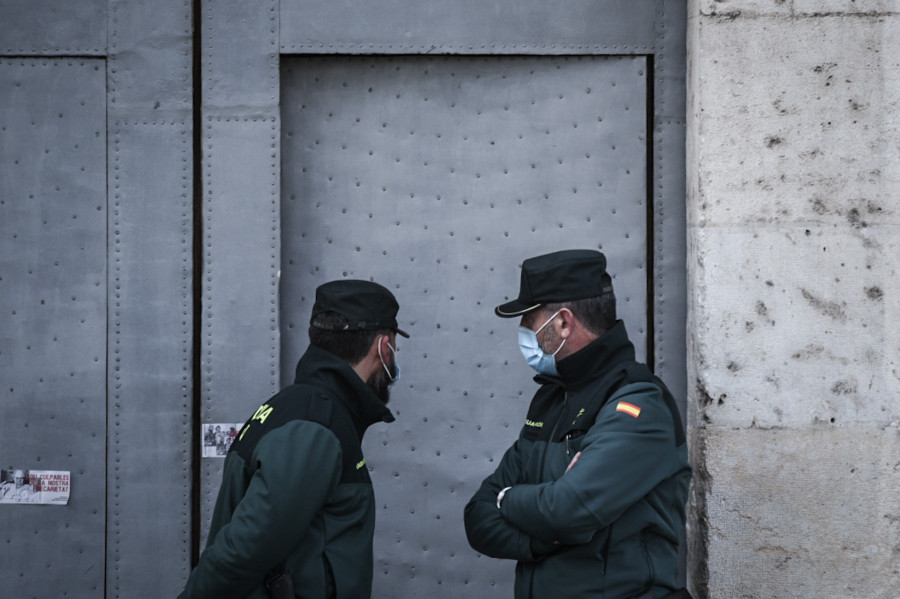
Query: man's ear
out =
(567, 322)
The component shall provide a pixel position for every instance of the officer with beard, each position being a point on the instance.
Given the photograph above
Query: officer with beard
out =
(296, 507)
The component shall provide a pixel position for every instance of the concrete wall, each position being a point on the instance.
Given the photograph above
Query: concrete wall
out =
(793, 171)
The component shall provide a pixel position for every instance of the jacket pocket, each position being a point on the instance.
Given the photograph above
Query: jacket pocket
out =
(601, 547)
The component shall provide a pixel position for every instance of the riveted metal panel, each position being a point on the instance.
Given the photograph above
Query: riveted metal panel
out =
(150, 360)
(468, 27)
(241, 249)
(150, 59)
(670, 60)
(669, 248)
(53, 304)
(670, 255)
(437, 177)
(241, 220)
(240, 57)
(151, 329)
(97, 353)
(51, 27)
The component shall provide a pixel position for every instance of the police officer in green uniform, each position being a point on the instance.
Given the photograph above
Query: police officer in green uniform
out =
(296, 506)
(590, 499)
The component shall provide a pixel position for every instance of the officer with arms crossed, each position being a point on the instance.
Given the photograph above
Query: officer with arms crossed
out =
(296, 505)
(590, 499)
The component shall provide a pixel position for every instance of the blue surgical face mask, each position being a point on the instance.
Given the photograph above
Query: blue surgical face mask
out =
(531, 349)
(396, 376)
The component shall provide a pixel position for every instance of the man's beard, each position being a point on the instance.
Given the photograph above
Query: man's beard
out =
(552, 341)
(380, 383)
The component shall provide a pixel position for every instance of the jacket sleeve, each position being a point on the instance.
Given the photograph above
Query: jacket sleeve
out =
(623, 457)
(298, 465)
(491, 534)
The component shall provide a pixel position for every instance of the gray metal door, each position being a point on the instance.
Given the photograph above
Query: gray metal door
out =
(432, 147)
(437, 176)
(96, 302)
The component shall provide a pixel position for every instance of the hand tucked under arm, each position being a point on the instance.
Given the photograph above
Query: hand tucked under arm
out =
(486, 529)
(298, 460)
(623, 458)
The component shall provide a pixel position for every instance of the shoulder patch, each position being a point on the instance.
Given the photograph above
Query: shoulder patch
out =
(630, 409)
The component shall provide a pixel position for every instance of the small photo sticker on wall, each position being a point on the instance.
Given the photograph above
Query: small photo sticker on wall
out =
(218, 437)
(36, 487)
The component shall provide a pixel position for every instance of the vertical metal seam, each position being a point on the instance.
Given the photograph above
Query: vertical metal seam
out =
(112, 440)
(657, 106)
(276, 255)
(197, 280)
(187, 337)
(204, 48)
(113, 278)
(652, 229)
(275, 77)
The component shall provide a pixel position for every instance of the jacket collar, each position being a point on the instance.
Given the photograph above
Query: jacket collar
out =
(593, 360)
(324, 369)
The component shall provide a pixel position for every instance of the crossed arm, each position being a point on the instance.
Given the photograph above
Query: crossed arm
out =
(622, 459)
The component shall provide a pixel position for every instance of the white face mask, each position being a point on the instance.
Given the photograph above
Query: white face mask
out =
(531, 349)
(396, 376)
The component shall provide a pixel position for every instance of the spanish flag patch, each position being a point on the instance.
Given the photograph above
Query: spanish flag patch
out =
(628, 408)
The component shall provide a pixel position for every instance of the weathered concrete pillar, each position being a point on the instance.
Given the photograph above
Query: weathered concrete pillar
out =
(793, 189)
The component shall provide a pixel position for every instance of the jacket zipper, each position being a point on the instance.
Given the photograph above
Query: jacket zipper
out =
(544, 463)
(553, 437)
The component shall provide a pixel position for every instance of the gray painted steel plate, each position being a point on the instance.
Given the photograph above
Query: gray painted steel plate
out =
(52, 27)
(468, 26)
(53, 304)
(437, 177)
(150, 369)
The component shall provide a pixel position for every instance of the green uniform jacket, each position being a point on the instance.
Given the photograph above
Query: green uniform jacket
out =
(610, 527)
(295, 490)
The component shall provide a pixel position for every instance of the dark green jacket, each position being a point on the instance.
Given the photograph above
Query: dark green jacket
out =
(611, 526)
(295, 489)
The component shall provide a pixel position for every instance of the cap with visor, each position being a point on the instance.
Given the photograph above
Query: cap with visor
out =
(365, 305)
(557, 277)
